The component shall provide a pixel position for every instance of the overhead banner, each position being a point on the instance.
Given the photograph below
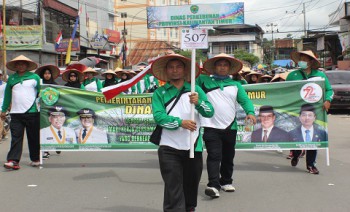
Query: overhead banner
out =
(193, 15)
(73, 119)
(25, 37)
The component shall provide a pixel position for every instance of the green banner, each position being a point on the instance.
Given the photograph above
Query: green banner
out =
(126, 122)
(25, 37)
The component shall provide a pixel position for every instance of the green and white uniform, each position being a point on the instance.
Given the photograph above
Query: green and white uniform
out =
(163, 99)
(92, 85)
(223, 94)
(146, 83)
(22, 92)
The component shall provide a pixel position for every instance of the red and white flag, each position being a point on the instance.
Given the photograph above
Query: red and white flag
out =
(112, 91)
(59, 38)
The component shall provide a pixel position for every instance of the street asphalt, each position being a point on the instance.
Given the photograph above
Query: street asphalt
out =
(131, 181)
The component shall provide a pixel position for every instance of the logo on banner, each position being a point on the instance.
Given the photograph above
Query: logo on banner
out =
(50, 96)
(194, 9)
(311, 92)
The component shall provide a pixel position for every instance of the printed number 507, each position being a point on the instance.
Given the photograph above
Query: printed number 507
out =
(194, 37)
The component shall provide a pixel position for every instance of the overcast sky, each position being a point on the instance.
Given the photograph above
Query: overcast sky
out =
(286, 14)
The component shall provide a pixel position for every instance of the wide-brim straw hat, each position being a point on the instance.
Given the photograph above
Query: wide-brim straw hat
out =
(91, 70)
(235, 64)
(118, 69)
(248, 76)
(65, 74)
(265, 77)
(11, 65)
(282, 76)
(55, 71)
(295, 56)
(109, 71)
(128, 72)
(159, 67)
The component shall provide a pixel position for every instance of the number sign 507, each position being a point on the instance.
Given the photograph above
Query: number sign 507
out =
(194, 39)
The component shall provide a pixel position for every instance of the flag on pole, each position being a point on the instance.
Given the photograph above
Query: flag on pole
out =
(71, 40)
(58, 38)
(80, 10)
(112, 91)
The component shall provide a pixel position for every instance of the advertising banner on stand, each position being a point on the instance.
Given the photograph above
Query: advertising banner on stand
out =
(200, 14)
(77, 120)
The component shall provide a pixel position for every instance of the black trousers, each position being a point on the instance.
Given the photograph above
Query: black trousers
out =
(220, 145)
(31, 123)
(181, 175)
(310, 156)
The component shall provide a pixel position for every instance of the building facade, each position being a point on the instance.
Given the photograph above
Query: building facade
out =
(226, 39)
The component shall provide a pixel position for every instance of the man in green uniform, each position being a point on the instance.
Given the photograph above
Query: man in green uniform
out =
(220, 131)
(21, 92)
(171, 106)
(308, 68)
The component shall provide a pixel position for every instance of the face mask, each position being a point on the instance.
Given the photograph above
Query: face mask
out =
(302, 64)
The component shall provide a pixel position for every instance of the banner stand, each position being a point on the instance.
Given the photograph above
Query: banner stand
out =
(327, 156)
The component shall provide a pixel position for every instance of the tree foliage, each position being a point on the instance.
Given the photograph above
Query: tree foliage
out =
(199, 54)
(246, 56)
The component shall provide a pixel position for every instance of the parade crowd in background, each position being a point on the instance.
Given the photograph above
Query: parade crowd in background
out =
(219, 88)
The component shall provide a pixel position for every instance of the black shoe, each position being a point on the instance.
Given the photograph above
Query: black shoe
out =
(312, 170)
(58, 152)
(294, 161)
(46, 155)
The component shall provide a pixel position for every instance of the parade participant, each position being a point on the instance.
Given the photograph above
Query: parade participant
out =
(265, 79)
(308, 131)
(110, 78)
(56, 133)
(91, 83)
(3, 131)
(220, 130)
(308, 68)
(181, 174)
(252, 77)
(48, 74)
(24, 112)
(268, 131)
(73, 77)
(125, 75)
(88, 133)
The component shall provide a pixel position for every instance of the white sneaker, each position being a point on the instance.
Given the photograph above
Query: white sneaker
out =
(35, 163)
(228, 188)
(212, 192)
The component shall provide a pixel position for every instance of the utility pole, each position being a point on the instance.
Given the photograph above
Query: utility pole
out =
(273, 44)
(304, 12)
(4, 39)
(41, 21)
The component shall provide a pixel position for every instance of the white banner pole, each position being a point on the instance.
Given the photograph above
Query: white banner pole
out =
(193, 82)
(327, 156)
